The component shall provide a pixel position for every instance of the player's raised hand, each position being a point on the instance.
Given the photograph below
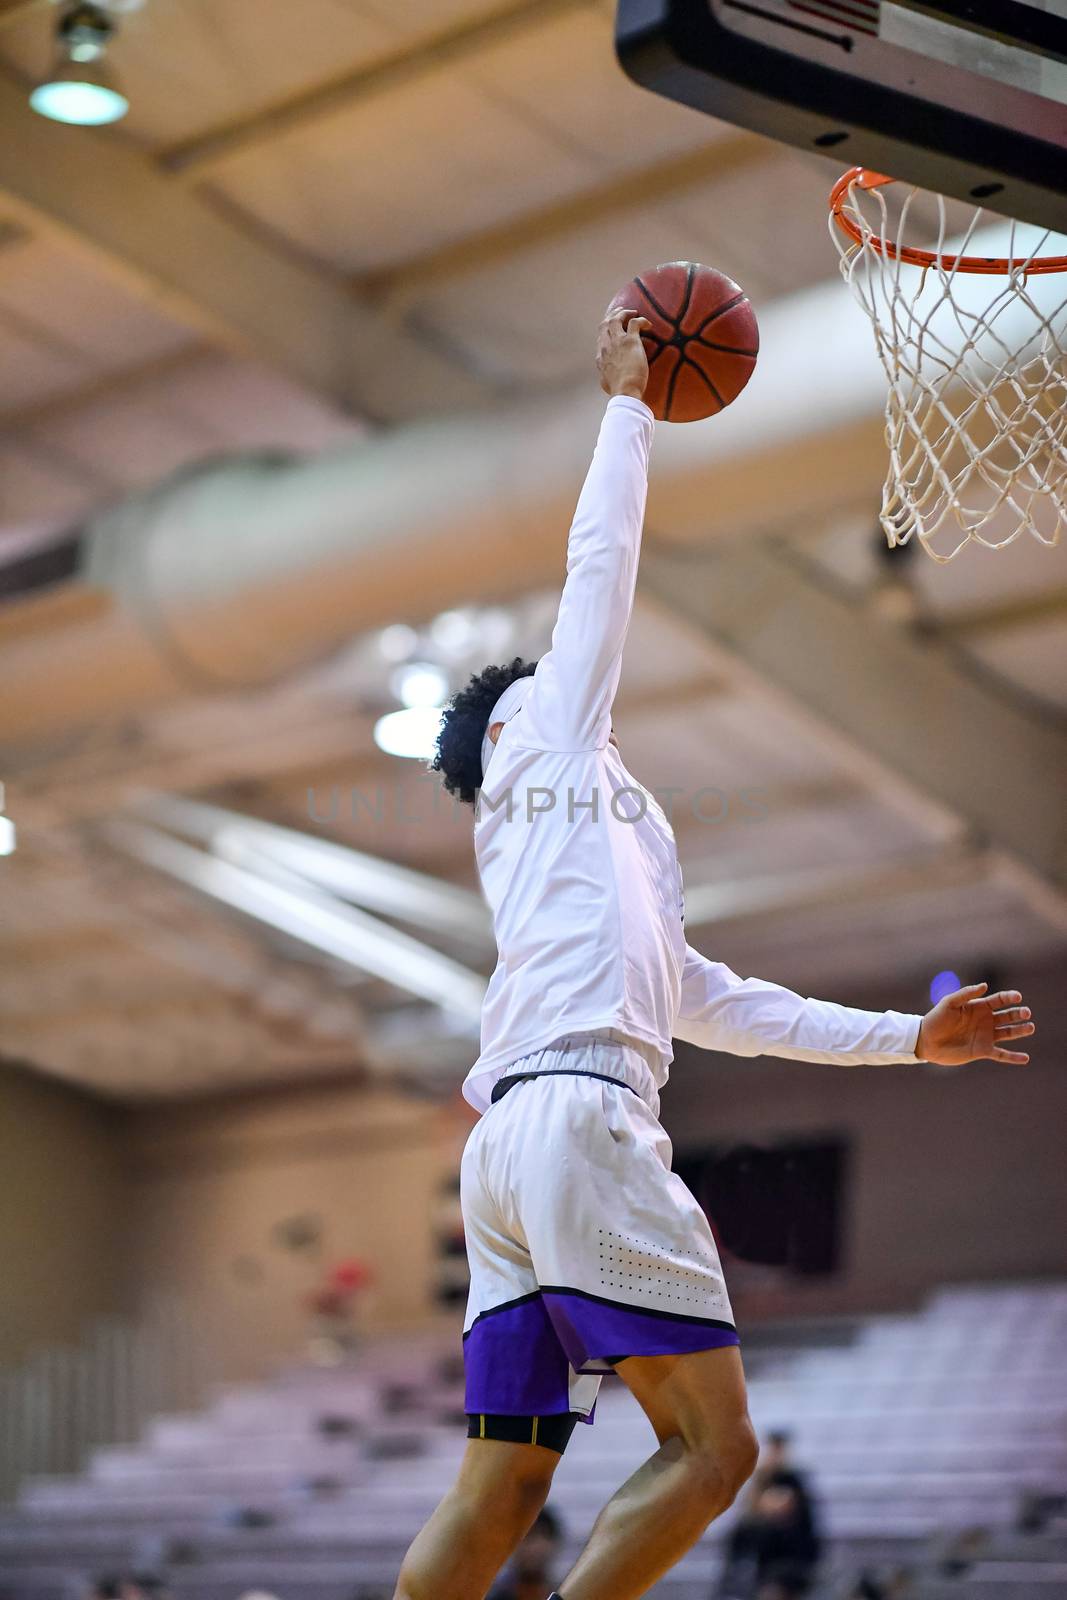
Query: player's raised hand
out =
(620, 354)
(972, 1025)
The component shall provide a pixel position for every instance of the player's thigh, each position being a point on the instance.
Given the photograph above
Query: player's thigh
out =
(510, 1479)
(699, 1397)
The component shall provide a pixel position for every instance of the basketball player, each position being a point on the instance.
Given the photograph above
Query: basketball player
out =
(586, 1252)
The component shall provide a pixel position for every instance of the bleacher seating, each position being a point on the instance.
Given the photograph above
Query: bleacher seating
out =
(311, 1486)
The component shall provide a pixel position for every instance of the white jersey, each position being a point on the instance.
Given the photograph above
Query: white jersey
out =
(578, 862)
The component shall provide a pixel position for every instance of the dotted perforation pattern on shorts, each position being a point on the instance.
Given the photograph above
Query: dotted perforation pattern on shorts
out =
(633, 1267)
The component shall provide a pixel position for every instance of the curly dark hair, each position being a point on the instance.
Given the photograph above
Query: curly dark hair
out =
(459, 744)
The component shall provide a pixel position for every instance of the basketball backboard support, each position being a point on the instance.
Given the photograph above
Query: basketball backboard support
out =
(968, 100)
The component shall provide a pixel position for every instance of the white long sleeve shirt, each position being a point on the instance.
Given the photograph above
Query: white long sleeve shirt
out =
(578, 862)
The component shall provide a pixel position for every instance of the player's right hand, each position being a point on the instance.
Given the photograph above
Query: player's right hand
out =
(620, 353)
(973, 1025)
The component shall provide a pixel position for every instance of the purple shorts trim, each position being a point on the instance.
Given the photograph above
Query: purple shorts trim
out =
(518, 1357)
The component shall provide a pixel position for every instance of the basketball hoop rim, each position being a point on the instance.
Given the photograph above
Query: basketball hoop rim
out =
(863, 178)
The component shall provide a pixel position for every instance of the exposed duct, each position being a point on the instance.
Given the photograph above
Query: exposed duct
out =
(235, 574)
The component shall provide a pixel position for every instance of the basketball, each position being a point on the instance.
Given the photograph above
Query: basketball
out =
(702, 344)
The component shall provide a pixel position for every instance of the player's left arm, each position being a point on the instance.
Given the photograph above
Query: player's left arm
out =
(569, 704)
(749, 1016)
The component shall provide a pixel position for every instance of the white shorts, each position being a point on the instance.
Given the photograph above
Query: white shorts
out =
(584, 1247)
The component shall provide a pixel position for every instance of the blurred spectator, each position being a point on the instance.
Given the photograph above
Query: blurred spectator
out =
(961, 1552)
(868, 1587)
(127, 1587)
(531, 1574)
(1037, 1508)
(900, 1584)
(774, 1546)
(896, 1585)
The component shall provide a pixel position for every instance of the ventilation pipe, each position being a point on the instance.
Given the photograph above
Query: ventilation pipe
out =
(235, 574)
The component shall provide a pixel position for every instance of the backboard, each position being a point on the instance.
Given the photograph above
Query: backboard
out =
(968, 100)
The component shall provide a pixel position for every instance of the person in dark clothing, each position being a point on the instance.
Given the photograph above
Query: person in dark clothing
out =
(774, 1546)
(530, 1575)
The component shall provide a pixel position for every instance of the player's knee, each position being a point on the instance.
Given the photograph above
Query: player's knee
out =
(723, 1468)
(739, 1457)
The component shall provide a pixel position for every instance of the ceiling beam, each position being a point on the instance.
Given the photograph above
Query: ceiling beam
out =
(909, 703)
(327, 746)
(158, 369)
(317, 920)
(173, 248)
(83, 788)
(16, 10)
(197, 158)
(1002, 616)
(660, 181)
(768, 895)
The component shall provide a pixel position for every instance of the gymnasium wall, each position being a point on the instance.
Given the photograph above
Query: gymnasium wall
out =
(249, 1200)
(953, 1175)
(60, 1212)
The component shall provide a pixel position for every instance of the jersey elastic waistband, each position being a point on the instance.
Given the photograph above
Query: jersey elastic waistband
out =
(502, 1085)
(603, 1054)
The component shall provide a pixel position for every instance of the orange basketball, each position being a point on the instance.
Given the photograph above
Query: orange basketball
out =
(702, 344)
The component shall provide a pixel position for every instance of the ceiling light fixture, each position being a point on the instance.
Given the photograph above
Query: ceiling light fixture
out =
(81, 88)
(7, 830)
(420, 683)
(411, 733)
(397, 642)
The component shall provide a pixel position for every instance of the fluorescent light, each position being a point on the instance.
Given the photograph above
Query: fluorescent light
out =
(453, 632)
(411, 733)
(419, 684)
(87, 105)
(82, 89)
(312, 917)
(397, 642)
(365, 880)
(7, 836)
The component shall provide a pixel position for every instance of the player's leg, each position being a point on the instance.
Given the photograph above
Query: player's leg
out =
(696, 1404)
(629, 1273)
(518, 1393)
(492, 1505)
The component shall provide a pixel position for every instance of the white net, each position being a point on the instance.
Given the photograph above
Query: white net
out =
(976, 414)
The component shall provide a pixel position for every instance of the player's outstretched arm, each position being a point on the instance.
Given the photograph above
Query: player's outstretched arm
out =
(569, 706)
(973, 1025)
(749, 1017)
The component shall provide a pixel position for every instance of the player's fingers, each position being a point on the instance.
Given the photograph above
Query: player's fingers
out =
(1013, 1014)
(637, 324)
(1002, 998)
(1017, 1057)
(970, 991)
(1013, 1030)
(615, 317)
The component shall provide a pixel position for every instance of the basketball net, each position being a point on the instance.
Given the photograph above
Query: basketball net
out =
(973, 348)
